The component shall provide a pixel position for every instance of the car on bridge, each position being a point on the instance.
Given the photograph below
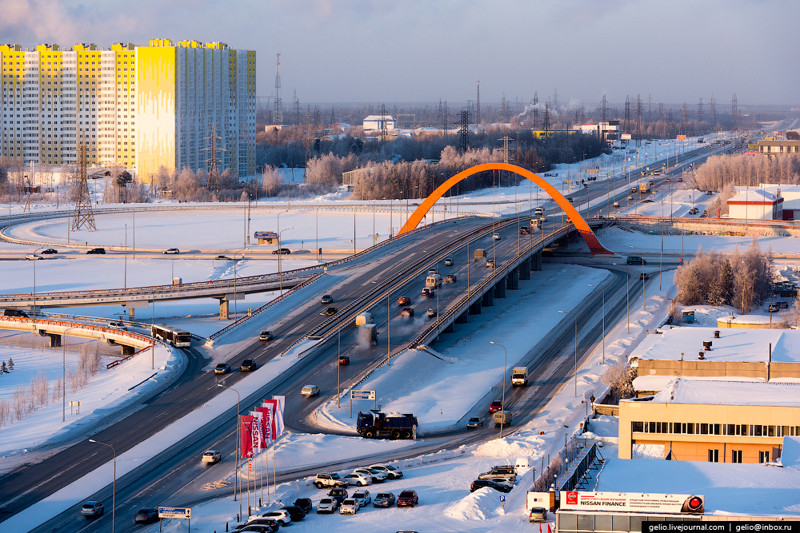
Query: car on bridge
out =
(428, 292)
(490, 263)
(49, 251)
(496, 236)
(407, 312)
(248, 365)
(116, 324)
(211, 457)
(326, 299)
(222, 258)
(96, 251)
(344, 360)
(403, 301)
(644, 275)
(222, 368)
(266, 335)
(172, 251)
(92, 509)
(636, 260)
(330, 311)
(281, 251)
(431, 312)
(448, 262)
(450, 278)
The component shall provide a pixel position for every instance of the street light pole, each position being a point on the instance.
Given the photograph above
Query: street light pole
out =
(236, 468)
(113, 486)
(503, 401)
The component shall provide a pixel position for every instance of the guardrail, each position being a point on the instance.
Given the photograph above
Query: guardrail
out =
(112, 364)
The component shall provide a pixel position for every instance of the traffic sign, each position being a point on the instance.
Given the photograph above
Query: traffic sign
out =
(502, 498)
(175, 512)
(362, 395)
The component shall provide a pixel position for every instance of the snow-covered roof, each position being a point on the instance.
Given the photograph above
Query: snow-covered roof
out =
(657, 383)
(741, 345)
(722, 392)
(752, 196)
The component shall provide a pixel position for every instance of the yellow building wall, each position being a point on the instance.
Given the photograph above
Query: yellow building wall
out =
(126, 108)
(13, 78)
(694, 446)
(155, 102)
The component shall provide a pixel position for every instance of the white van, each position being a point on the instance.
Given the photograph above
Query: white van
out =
(433, 281)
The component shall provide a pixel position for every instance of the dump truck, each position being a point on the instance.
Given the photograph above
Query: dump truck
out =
(519, 376)
(378, 424)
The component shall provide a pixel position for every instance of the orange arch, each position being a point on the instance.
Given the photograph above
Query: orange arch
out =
(580, 224)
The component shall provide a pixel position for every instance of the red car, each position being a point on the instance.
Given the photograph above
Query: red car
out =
(403, 301)
(495, 406)
(407, 498)
(344, 360)
(407, 311)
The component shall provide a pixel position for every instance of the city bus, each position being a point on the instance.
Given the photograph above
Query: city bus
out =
(175, 337)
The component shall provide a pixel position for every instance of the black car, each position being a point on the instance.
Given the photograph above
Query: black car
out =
(480, 483)
(49, 251)
(305, 504)
(96, 251)
(281, 251)
(248, 365)
(146, 516)
(295, 512)
(259, 524)
(330, 311)
(337, 493)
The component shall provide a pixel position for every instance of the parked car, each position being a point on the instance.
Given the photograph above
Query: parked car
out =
(428, 292)
(495, 406)
(383, 499)
(258, 524)
(211, 456)
(49, 251)
(502, 471)
(538, 514)
(171, 251)
(146, 516)
(327, 505)
(377, 476)
(92, 509)
(391, 471)
(349, 506)
(363, 497)
(338, 493)
(96, 251)
(359, 480)
(309, 391)
(305, 504)
(266, 336)
(450, 278)
(222, 368)
(280, 516)
(326, 299)
(295, 513)
(431, 312)
(344, 360)
(490, 263)
(330, 311)
(501, 486)
(448, 262)
(325, 479)
(407, 498)
(407, 311)
(474, 423)
(281, 251)
(248, 365)
(403, 301)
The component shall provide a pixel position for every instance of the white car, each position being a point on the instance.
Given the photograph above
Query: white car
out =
(92, 509)
(279, 516)
(327, 505)
(391, 472)
(375, 475)
(496, 236)
(33, 257)
(349, 506)
(357, 479)
(363, 497)
(310, 390)
(211, 456)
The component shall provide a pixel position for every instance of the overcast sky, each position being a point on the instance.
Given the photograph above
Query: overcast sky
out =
(675, 51)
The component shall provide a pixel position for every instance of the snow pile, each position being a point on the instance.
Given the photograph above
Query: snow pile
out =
(478, 505)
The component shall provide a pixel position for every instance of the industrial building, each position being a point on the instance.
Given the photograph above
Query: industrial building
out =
(138, 107)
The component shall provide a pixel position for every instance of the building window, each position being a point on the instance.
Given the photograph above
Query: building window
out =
(763, 457)
(713, 456)
(736, 456)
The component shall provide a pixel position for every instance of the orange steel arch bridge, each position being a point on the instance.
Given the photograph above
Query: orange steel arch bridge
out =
(580, 224)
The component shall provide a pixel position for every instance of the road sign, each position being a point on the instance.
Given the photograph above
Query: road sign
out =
(362, 395)
(502, 498)
(175, 512)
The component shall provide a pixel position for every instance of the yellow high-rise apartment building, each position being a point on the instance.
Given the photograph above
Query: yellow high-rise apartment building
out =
(139, 107)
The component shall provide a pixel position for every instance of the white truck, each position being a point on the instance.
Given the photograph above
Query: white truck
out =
(364, 318)
(519, 376)
(433, 281)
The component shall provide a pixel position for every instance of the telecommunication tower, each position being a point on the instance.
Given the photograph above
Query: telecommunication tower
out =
(735, 112)
(83, 216)
(278, 102)
(463, 143)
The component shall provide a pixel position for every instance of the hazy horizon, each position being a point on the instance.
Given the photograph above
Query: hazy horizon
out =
(416, 52)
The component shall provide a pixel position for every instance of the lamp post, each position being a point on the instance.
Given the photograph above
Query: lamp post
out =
(236, 468)
(280, 253)
(503, 401)
(113, 486)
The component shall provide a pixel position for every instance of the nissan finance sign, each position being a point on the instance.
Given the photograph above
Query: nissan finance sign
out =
(632, 502)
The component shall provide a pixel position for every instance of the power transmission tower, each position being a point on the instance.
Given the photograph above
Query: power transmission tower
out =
(712, 103)
(546, 119)
(700, 110)
(506, 150)
(627, 126)
(735, 112)
(464, 131)
(535, 110)
(638, 116)
(278, 102)
(213, 161)
(83, 215)
(478, 106)
(503, 109)
(604, 108)
(445, 118)
(384, 133)
(296, 107)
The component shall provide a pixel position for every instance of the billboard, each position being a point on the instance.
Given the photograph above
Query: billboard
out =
(265, 235)
(626, 136)
(175, 512)
(681, 137)
(632, 502)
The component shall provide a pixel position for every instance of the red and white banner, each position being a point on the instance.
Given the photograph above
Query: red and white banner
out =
(279, 414)
(268, 420)
(257, 431)
(246, 436)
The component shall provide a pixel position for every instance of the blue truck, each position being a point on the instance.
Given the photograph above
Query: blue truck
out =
(378, 424)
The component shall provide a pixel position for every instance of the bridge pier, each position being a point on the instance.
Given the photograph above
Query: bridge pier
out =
(512, 280)
(127, 350)
(525, 269)
(536, 262)
(224, 308)
(487, 299)
(462, 318)
(474, 309)
(500, 287)
(450, 328)
(55, 340)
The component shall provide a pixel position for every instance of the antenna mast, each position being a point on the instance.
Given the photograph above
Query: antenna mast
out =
(278, 100)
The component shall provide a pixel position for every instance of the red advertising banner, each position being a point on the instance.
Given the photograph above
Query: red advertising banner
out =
(272, 405)
(267, 420)
(246, 435)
